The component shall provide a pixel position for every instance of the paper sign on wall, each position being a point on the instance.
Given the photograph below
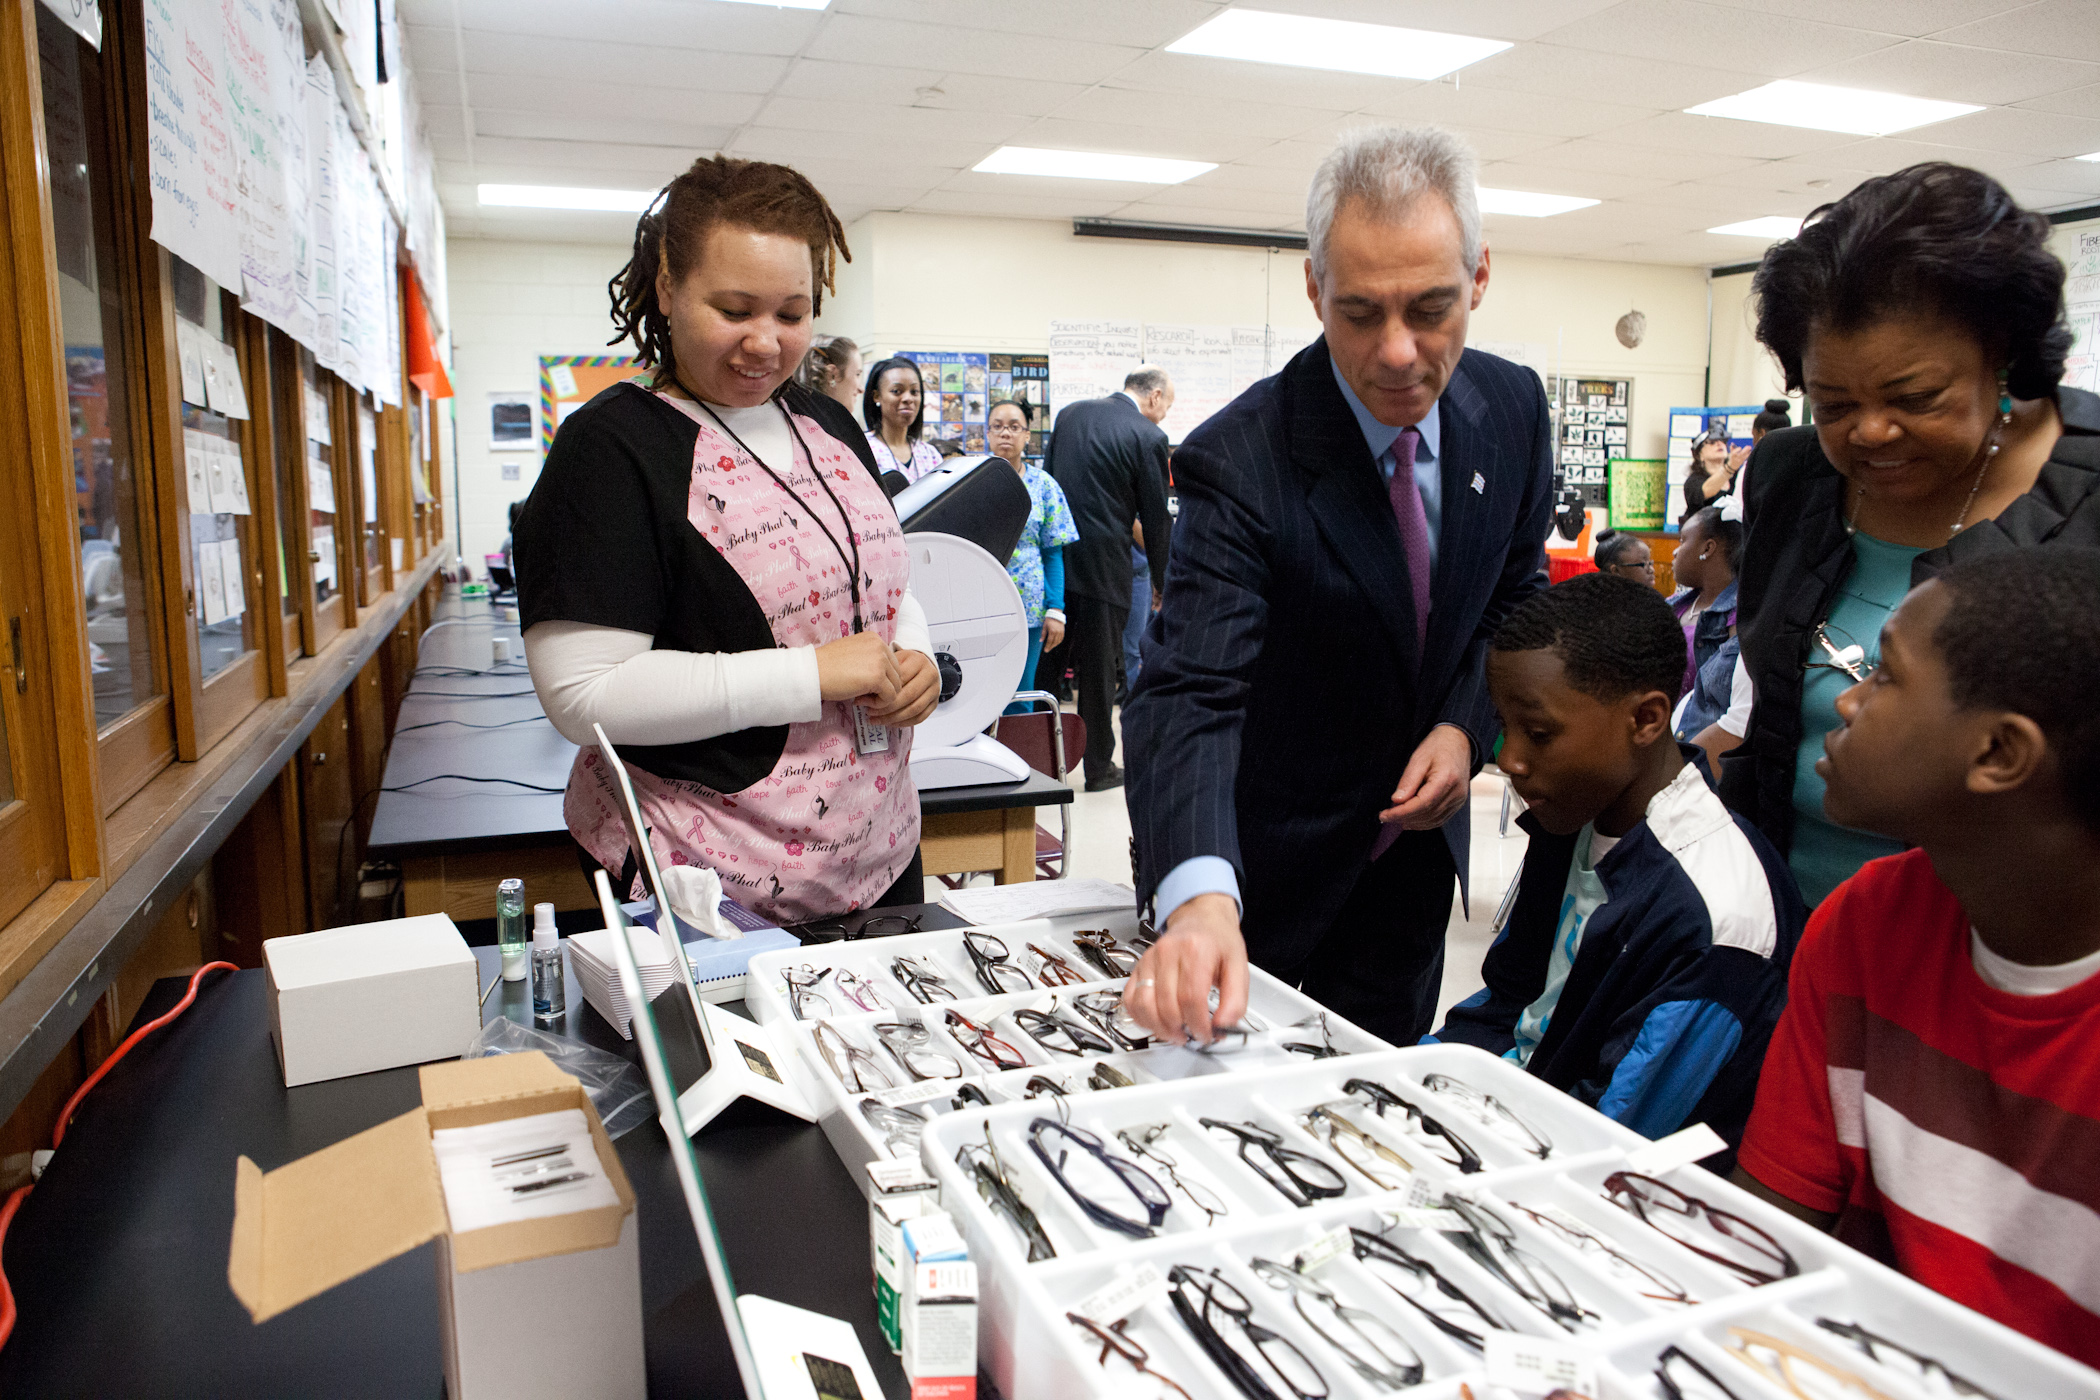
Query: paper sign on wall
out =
(189, 348)
(324, 546)
(196, 459)
(211, 581)
(236, 585)
(222, 378)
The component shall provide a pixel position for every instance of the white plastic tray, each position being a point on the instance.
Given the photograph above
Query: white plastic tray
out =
(1031, 1351)
(1274, 1007)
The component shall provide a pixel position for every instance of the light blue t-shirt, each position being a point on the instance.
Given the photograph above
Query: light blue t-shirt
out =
(1583, 897)
(1824, 855)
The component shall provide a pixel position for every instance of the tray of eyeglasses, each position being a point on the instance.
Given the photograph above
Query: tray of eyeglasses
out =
(892, 1033)
(1363, 1225)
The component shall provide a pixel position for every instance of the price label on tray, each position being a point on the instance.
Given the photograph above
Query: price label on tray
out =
(1536, 1365)
(1324, 1250)
(1129, 1290)
(1677, 1150)
(916, 1093)
(1423, 1218)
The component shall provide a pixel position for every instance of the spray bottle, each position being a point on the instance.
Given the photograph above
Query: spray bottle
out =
(550, 994)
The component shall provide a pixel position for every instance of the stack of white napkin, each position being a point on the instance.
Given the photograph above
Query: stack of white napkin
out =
(591, 959)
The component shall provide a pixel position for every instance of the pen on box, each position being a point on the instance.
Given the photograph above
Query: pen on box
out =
(524, 1187)
(534, 1154)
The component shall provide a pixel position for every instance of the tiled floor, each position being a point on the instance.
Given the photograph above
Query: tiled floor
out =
(1101, 846)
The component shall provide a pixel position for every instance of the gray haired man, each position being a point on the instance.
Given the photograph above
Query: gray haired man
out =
(1313, 702)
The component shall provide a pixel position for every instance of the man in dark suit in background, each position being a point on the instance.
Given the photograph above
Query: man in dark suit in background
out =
(1110, 457)
(1313, 705)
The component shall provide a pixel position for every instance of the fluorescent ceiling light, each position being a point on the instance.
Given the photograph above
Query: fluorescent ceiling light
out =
(1344, 46)
(1529, 205)
(2095, 156)
(1821, 107)
(1090, 165)
(566, 197)
(786, 4)
(1770, 228)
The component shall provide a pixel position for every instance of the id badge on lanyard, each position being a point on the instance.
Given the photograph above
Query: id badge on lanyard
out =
(868, 736)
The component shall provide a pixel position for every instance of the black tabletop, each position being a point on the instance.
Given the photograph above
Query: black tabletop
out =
(118, 1257)
(1035, 790)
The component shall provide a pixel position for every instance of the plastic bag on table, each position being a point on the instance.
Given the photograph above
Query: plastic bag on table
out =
(618, 1089)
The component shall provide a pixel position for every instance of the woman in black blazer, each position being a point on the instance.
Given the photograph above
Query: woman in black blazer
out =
(1923, 316)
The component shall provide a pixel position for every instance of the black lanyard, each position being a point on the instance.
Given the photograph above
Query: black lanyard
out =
(852, 534)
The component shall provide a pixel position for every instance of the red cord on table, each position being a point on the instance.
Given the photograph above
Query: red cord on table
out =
(65, 1116)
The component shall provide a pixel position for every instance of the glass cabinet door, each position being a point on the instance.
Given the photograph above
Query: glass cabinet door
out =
(217, 472)
(317, 388)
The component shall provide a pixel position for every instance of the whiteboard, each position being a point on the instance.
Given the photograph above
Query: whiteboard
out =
(1088, 359)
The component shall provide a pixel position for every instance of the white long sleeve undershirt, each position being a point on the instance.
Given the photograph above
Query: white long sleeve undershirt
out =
(609, 676)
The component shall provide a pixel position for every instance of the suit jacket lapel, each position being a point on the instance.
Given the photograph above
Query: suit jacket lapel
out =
(1347, 500)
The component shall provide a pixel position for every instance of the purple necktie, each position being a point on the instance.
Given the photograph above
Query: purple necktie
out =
(1406, 497)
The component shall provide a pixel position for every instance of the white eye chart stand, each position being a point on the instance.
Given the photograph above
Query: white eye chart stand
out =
(743, 1059)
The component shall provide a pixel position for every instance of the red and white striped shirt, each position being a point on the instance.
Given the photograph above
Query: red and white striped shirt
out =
(1954, 1127)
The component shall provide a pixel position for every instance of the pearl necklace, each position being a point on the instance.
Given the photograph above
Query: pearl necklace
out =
(1990, 451)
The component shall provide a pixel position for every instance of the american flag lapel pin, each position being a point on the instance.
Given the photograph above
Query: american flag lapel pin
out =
(1480, 484)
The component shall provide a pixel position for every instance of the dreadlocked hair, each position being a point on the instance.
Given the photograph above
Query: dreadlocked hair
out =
(717, 190)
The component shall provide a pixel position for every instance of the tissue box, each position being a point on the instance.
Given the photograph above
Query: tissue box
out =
(326, 1218)
(352, 1000)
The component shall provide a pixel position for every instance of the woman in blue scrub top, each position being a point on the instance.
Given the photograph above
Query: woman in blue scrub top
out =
(1923, 317)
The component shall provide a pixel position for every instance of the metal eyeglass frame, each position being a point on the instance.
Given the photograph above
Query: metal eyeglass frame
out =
(1149, 1149)
(981, 1160)
(900, 1125)
(1099, 947)
(1282, 1158)
(1490, 1110)
(859, 990)
(989, 966)
(1114, 1339)
(1101, 1008)
(1181, 1280)
(1870, 1341)
(981, 1042)
(968, 1093)
(904, 1039)
(925, 987)
(877, 926)
(1379, 1098)
(1641, 1193)
(802, 983)
(858, 1061)
(1337, 1128)
(1046, 1028)
(1388, 1371)
(1052, 970)
(1849, 660)
(1491, 1242)
(1367, 1246)
(1325, 1049)
(1151, 1197)
(1672, 1390)
(1582, 1238)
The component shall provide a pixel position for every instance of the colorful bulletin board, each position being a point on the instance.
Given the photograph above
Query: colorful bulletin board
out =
(1640, 494)
(962, 386)
(1592, 419)
(567, 382)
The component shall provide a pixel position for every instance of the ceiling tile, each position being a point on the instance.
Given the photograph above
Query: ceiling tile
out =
(698, 137)
(621, 64)
(1180, 144)
(1544, 176)
(870, 144)
(1278, 180)
(638, 107)
(1887, 154)
(2077, 102)
(1953, 73)
(644, 166)
(1015, 206)
(680, 24)
(822, 81)
(1257, 82)
(1197, 216)
(1654, 162)
(2017, 131)
(1468, 105)
(857, 39)
(902, 125)
(430, 51)
(1675, 131)
(1145, 26)
(1558, 71)
(1688, 31)
(1281, 208)
(1110, 103)
(1912, 18)
(2065, 28)
(1490, 19)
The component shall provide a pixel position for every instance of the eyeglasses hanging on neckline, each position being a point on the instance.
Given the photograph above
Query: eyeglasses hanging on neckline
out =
(1299, 1177)
(852, 1063)
(1492, 1114)
(803, 996)
(995, 972)
(980, 1041)
(1904, 1361)
(1146, 1145)
(911, 1045)
(1363, 1340)
(982, 1162)
(1840, 653)
(1758, 1258)
(1221, 1319)
(926, 987)
(1421, 1283)
(1052, 970)
(1099, 947)
(1100, 1183)
(1358, 1149)
(1452, 1149)
(1651, 1282)
(1491, 1242)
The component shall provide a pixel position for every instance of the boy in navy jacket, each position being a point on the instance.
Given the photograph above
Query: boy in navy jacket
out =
(1643, 963)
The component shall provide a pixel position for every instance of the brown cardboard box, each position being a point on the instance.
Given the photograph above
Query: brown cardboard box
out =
(328, 1217)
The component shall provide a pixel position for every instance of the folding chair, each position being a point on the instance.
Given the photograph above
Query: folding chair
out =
(1042, 738)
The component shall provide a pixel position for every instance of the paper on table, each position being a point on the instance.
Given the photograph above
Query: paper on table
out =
(1039, 899)
(479, 1194)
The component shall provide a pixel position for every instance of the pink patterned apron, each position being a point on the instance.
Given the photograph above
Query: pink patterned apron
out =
(829, 829)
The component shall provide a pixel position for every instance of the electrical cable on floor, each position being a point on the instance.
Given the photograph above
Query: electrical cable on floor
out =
(467, 694)
(469, 778)
(466, 724)
(501, 668)
(65, 1116)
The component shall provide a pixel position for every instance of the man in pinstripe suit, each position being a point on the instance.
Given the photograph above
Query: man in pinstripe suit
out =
(1313, 705)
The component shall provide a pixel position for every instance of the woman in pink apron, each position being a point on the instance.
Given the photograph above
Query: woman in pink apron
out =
(708, 568)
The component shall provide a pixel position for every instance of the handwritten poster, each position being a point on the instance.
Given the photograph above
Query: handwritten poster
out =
(186, 140)
(1088, 359)
(1200, 360)
(2082, 310)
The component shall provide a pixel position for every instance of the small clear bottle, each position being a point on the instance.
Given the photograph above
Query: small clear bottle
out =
(550, 992)
(511, 938)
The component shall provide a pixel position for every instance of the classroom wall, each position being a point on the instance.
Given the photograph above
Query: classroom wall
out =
(1744, 372)
(511, 303)
(927, 282)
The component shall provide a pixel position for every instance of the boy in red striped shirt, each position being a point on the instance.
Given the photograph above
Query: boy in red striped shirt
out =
(1932, 1092)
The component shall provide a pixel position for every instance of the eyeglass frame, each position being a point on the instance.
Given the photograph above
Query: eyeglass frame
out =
(997, 1188)
(1039, 1025)
(1363, 1244)
(1053, 970)
(1866, 1339)
(1280, 1156)
(851, 985)
(918, 1038)
(1674, 1391)
(1790, 1267)
(984, 1036)
(1459, 1090)
(854, 1054)
(1113, 1338)
(1149, 1148)
(1226, 1357)
(1741, 1339)
(1379, 1098)
(987, 965)
(870, 1107)
(1338, 1125)
(1099, 947)
(802, 983)
(1100, 1078)
(1677, 1292)
(1484, 1225)
(1119, 1167)
(1107, 1020)
(872, 926)
(911, 977)
(1302, 1285)
(1855, 671)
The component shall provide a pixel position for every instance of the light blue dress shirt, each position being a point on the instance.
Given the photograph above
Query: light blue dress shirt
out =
(1214, 874)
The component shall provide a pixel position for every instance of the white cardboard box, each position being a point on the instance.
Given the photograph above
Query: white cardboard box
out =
(542, 1309)
(368, 997)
